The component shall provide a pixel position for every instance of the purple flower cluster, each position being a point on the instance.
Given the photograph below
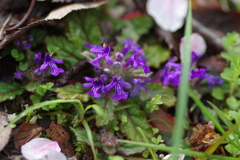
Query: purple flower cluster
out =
(172, 72)
(49, 62)
(115, 68)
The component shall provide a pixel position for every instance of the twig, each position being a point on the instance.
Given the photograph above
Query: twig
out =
(4, 25)
(24, 18)
(68, 74)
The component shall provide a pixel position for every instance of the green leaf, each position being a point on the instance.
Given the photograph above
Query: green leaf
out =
(52, 48)
(66, 50)
(167, 94)
(84, 28)
(129, 149)
(24, 65)
(152, 105)
(218, 93)
(232, 149)
(10, 90)
(115, 158)
(142, 24)
(88, 55)
(136, 118)
(227, 74)
(14, 53)
(232, 103)
(35, 98)
(155, 55)
(108, 107)
(82, 137)
(73, 92)
(32, 86)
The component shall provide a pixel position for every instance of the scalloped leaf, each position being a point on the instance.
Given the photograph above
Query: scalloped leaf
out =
(167, 94)
(108, 107)
(75, 91)
(82, 137)
(155, 55)
(67, 51)
(10, 90)
(31, 87)
(135, 118)
(129, 149)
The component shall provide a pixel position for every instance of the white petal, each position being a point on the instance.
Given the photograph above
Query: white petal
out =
(168, 157)
(168, 14)
(54, 155)
(198, 44)
(37, 148)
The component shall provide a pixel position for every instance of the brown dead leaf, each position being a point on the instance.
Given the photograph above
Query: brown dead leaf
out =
(56, 14)
(57, 133)
(161, 114)
(4, 132)
(26, 132)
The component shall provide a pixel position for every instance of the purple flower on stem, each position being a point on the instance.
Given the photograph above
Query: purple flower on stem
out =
(26, 46)
(136, 60)
(96, 84)
(118, 84)
(119, 56)
(18, 75)
(51, 62)
(211, 79)
(102, 52)
(38, 57)
(139, 85)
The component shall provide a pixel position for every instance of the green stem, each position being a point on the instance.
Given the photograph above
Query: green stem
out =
(145, 139)
(76, 103)
(89, 134)
(183, 88)
(182, 151)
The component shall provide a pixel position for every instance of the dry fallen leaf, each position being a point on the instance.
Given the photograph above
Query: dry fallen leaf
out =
(4, 132)
(26, 132)
(57, 133)
(56, 14)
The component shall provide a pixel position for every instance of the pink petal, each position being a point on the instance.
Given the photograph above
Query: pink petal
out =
(168, 14)
(198, 44)
(38, 148)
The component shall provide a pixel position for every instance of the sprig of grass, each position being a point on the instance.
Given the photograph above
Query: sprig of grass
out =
(183, 89)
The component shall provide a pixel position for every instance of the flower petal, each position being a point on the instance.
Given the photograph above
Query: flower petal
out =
(198, 45)
(168, 14)
(38, 148)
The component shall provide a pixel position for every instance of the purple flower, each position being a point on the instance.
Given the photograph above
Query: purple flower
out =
(102, 52)
(195, 73)
(127, 46)
(26, 46)
(118, 84)
(136, 60)
(38, 57)
(17, 42)
(172, 72)
(18, 75)
(96, 84)
(51, 62)
(139, 85)
(210, 79)
(119, 56)
(195, 57)
(30, 38)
